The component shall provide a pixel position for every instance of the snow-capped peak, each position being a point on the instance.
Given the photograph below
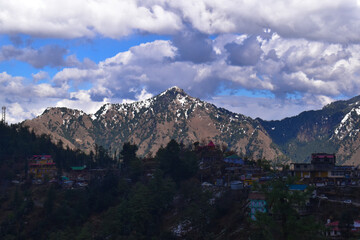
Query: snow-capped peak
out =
(172, 89)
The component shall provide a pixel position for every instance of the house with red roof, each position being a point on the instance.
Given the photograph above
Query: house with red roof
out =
(333, 230)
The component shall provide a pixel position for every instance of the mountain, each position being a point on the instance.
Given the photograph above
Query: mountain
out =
(332, 129)
(152, 123)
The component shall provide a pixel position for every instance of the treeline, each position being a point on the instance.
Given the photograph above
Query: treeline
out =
(145, 201)
(17, 143)
(158, 197)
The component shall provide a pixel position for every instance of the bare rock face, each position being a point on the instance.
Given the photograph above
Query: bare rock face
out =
(72, 127)
(152, 123)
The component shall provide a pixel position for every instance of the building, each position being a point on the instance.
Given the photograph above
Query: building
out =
(322, 167)
(79, 173)
(257, 203)
(234, 159)
(334, 231)
(42, 166)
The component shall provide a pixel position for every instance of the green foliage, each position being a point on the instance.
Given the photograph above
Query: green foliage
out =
(102, 193)
(283, 221)
(115, 207)
(138, 216)
(132, 165)
(301, 151)
(198, 212)
(346, 223)
(176, 162)
(102, 157)
(17, 144)
(264, 164)
(49, 202)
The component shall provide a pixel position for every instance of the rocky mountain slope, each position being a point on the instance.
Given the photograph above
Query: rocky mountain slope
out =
(152, 123)
(333, 129)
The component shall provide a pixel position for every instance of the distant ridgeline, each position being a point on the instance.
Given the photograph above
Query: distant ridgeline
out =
(173, 114)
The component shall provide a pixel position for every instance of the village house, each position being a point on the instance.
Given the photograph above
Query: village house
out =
(333, 230)
(79, 173)
(257, 203)
(42, 166)
(322, 169)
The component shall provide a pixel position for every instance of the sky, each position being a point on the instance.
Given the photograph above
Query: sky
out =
(262, 58)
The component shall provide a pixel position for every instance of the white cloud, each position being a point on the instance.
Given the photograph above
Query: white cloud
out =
(270, 108)
(15, 113)
(46, 90)
(301, 74)
(283, 67)
(143, 95)
(24, 99)
(81, 100)
(332, 21)
(84, 18)
(40, 76)
(49, 55)
(11, 86)
(19, 111)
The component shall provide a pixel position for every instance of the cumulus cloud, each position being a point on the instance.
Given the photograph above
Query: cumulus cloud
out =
(47, 90)
(330, 21)
(15, 112)
(11, 86)
(193, 46)
(270, 108)
(16, 40)
(246, 54)
(281, 66)
(25, 99)
(300, 74)
(14, 88)
(81, 100)
(74, 19)
(40, 76)
(50, 55)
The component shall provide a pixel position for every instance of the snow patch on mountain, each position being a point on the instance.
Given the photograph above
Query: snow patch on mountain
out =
(348, 125)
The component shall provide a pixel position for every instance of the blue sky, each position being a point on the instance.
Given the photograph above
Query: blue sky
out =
(269, 59)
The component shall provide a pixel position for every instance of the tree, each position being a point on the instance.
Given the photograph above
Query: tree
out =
(198, 211)
(132, 165)
(346, 223)
(283, 221)
(50, 201)
(128, 152)
(177, 162)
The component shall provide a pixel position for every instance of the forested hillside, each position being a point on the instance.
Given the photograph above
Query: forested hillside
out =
(17, 144)
(160, 197)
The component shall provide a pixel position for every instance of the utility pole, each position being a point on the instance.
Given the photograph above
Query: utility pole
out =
(3, 114)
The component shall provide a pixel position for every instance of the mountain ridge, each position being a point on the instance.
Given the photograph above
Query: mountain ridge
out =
(153, 122)
(173, 114)
(334, 128)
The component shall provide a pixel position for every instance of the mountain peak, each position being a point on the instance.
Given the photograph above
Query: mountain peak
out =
(151, 123)
(174, 89)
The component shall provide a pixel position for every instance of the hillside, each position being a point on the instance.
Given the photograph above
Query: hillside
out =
(333, 129)
(152, 123)
(173, 114)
